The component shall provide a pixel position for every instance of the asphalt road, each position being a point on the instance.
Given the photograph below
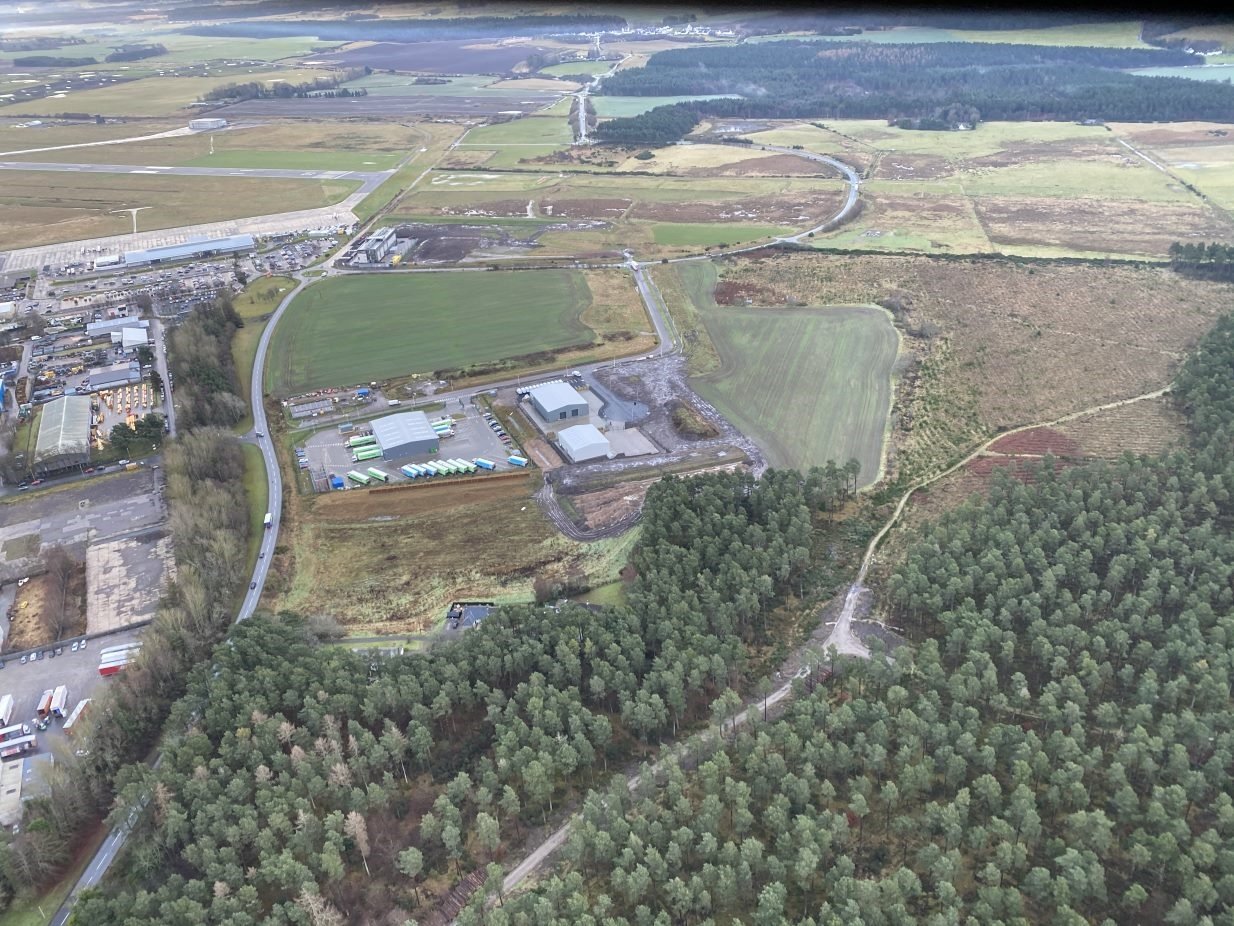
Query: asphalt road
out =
(275, 173)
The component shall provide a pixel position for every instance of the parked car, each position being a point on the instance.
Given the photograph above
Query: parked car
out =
(252, 585)
(24, 660)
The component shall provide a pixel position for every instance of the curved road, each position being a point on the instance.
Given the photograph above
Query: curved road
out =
(654, 301)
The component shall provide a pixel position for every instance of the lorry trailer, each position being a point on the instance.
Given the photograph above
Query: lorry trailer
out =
(516, 461)
(59, 700)
(76, 715)
(269, 520)
(119, 648)
(45, 702)
(409, 472)
(359, 477)
(484, 464)
(11, 732)
(14, 748)
(6, 710)
(379, 475)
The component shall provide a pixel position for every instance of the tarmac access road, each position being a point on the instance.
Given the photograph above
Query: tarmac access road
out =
(374, 178)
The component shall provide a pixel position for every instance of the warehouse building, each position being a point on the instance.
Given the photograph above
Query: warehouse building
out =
(196, 247)
(377, 246)
(583, 442)
(108, 325)
(405, 434)
(205, 125)
(556, 402)
(118, 374)
(130, 337)
(64, 434)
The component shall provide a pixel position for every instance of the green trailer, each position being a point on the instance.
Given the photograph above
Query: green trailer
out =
(369, 453)
(378, 474)
(359, 477)
(361, 441)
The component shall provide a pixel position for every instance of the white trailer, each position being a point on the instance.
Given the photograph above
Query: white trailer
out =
(6, 710)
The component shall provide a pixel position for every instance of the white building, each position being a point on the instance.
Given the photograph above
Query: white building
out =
(583, 442)
(555, 401)
(205, 125)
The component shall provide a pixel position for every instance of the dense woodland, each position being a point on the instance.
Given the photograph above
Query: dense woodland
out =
(948, 82)
(199, 349)
(282, 90)
(1058, 749)
(1212, 261)
(310, 781)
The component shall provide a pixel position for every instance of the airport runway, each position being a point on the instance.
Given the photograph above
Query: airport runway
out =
(276, 173)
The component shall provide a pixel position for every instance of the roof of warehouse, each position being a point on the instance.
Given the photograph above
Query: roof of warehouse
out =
(580, 436)
(555, 395)
(189, 248)
(64, 427)
(402, 428)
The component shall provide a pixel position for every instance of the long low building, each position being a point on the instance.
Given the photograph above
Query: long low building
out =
(197, 247)
(118, 374)
(405, 434)
(108, 325)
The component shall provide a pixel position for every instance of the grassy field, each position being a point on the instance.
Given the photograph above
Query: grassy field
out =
(611, 106)
(155, 96)
(483, 539)
(46, 207)
(1104, 35)
(257, 491)
(808, 384)
(299, 160)
(578, 67)
(529, 130)
(190, 49)
(259, 299)
(1202, 153)
(353, 329)
(685, 234)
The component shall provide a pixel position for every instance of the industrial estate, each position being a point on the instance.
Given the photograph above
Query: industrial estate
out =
(570, 464)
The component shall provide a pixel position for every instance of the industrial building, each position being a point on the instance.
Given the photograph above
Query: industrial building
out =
(118, 374)
(108, 325)
(405, 434)
(377, 246)
(205, 125)
(197, 247)
(64, 434)
(130, 337)
(556, 401)
(583, 442)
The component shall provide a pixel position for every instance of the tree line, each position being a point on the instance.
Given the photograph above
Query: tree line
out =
(1212, 261)
(137, 52)
(282, 90)
(201, 361)
(952, 82)
(301, 780)
(1059, 748)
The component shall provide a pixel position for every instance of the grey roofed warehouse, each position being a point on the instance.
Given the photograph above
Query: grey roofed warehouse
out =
(583, 442)
(556, 401)
(197, 247)
(64, 434)
(405, 434)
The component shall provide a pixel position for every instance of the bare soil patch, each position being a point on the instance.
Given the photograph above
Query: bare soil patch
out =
(1152, 426)
(1037, 442)
(583, 208)
(1174, 133)
(1125, 227)
(29, 627)
(897, 166)
(608, 506)
(773, 165)
(418, 499)
(781, 210)
(728, 292)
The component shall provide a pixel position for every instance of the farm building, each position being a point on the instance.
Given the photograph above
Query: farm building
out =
(405, 434)
(583, 442)
(198, 247)
(205, 125)
(118, 374)
(64, 434)
(557, 401)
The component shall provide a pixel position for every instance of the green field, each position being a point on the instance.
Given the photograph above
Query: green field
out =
(45, 207)
(153, 96)
(1103, 35)
(609, 106)
(807, 384)
(358, 328)
(529, 130)
(299, 160)
(577, 67)
(709, 234)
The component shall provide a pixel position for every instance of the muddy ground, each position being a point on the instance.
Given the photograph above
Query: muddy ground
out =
(446, 244)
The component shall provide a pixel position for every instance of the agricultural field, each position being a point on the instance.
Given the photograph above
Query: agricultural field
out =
(1102, 35)
(155, 96)
(49, 135)
(995, 345)
(578, 67)
(551, 131)
(483, 539)
(360, 328)
(51, 207)
(808, 384)
(465, 56)
(190, 49)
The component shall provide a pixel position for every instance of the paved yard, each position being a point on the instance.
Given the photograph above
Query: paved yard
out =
(126, 578)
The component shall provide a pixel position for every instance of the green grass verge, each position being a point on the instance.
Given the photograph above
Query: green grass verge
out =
(259, 299)
(612, 106)
(529, 130)
(257, 491)
(300, 160)
(353, 329)
(708, 234)
(577, 67)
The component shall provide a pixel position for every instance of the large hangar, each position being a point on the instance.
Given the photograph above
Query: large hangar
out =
(583, 442)
(64, 434)
(556, 402)
(405, 434)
